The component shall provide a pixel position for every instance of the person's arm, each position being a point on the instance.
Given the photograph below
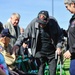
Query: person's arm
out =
(23, 37)
(59, 39)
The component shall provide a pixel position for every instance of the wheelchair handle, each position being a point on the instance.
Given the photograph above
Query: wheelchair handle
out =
(56, 55)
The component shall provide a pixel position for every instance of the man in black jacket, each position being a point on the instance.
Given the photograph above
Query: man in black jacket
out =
(45, 35)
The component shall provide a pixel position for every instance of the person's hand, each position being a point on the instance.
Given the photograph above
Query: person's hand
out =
(15, 49)
(58, 51)
(67, 54)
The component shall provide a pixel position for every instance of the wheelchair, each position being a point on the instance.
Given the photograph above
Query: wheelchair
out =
(27, 65)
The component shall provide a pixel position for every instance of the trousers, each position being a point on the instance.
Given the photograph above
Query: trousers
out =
(51, 62)
(72, 67)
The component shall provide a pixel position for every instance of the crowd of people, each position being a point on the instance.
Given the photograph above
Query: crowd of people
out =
(41, 39)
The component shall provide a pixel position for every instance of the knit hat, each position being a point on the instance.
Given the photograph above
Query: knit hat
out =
(45, 13)
(69, 1)
(46, 16)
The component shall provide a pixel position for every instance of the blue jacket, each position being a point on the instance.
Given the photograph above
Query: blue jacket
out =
(2, 62)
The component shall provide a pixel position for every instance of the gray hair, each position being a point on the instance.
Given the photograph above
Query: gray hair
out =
(16, 14)
(69, 1)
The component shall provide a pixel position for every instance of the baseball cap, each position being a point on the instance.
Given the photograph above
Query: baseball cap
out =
(69, 1)
(5, 32)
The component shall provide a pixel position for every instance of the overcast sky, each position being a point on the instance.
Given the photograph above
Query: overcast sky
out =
(28, 9)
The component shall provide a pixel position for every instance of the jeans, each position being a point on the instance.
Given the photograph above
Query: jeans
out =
(72, 67)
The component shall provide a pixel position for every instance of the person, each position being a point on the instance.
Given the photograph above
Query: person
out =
(6, 52)
(1, 69)
(2, 72)
(13, 26)
(3, 65)
(1, 27)
(70, 53)
(45, 35)
(25, 48)
(21, 30)
(25, 52)
(4, 69)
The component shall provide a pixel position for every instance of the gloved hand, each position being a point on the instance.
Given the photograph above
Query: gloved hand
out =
(15, 49)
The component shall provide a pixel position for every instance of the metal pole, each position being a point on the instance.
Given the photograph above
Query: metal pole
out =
(52, 7)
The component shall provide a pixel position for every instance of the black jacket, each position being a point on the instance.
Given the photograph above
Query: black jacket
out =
(71, 35)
